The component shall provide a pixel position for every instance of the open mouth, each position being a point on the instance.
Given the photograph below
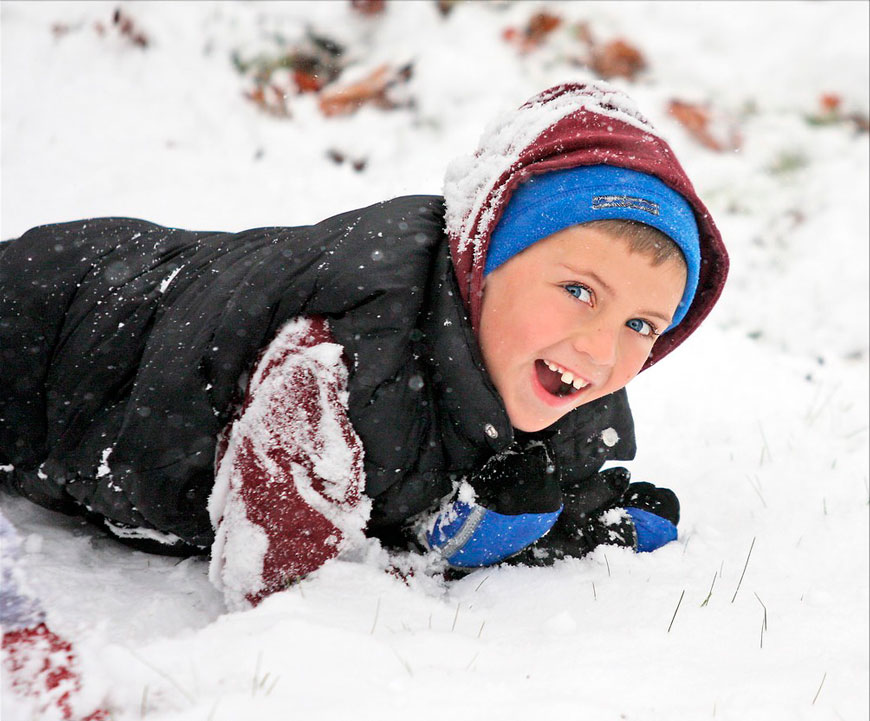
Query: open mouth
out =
(556, 380)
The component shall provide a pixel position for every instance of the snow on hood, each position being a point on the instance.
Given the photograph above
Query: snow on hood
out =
(471, 180)
(567, 126)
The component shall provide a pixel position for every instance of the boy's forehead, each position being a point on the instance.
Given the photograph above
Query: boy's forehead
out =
(600, 240)
(584, 249)
(581, 241)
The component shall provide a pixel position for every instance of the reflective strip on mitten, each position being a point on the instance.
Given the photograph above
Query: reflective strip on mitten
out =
(469, 535)
(652, 531)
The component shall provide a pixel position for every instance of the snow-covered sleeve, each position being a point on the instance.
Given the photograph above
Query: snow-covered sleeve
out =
(288, 493)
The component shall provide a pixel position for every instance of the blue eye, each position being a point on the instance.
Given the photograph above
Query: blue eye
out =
(638, 325)
(580, 292)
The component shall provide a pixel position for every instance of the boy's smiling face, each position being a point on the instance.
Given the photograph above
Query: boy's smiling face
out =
(570, 319)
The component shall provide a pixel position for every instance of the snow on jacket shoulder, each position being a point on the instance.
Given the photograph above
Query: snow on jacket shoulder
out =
(127, 344)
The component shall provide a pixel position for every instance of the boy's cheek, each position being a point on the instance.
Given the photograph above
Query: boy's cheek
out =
(602, 391)
(621, 377)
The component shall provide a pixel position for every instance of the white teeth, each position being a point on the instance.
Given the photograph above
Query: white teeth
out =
(566, 376)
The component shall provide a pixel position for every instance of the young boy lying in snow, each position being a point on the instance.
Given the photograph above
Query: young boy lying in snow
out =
(444, 373)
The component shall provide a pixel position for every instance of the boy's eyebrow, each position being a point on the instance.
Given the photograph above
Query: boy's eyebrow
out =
(600, 281)
(590, 273)
(655, 314)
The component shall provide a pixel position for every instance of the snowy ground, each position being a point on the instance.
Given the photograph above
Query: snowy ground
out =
(760, 422)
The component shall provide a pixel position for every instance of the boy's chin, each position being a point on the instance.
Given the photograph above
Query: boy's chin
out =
(532, 427)
(522, 422)
(531, 423)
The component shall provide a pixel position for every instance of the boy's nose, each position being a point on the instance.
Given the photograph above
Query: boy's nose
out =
(599, 343)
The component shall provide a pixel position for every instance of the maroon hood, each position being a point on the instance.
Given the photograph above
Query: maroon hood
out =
(564, 127)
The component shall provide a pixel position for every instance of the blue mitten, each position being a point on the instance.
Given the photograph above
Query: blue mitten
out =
(655, 513)
(499, 510)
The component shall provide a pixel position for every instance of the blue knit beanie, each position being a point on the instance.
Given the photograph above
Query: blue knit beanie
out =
(547, 203)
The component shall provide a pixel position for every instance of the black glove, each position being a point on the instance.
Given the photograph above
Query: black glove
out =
(512, 501)
(606, 509)
(655, 513)
(590, 518)
(662, 502)
(519, 480)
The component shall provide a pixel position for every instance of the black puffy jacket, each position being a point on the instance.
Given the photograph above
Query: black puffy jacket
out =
(123, 346)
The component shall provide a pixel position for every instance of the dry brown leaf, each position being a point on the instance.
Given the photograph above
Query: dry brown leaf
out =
(370, 89)
(369, 7)
(307, 82)
(271, 99)
(860, 121)
(618, 58)
(831, 111)
(583, 33)
(707, 127)
(537, 29)
(830, 102)
(128, 28)
(540, 25)
(61, 29)
(445, 7)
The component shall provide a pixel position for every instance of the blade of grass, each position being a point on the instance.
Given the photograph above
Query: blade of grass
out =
(745, 566)
(710, 592)
(375, 622)
(819, 689)
(676, 609)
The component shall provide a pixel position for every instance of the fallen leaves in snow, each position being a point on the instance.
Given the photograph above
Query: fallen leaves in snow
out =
(614, 58)
(831, 112)
(121, 24)
(535, 32)
(710, 127)
(314, 66)
(126, 27)
(369, 7)
(617, 58)
(373, 89)
(306, 67)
